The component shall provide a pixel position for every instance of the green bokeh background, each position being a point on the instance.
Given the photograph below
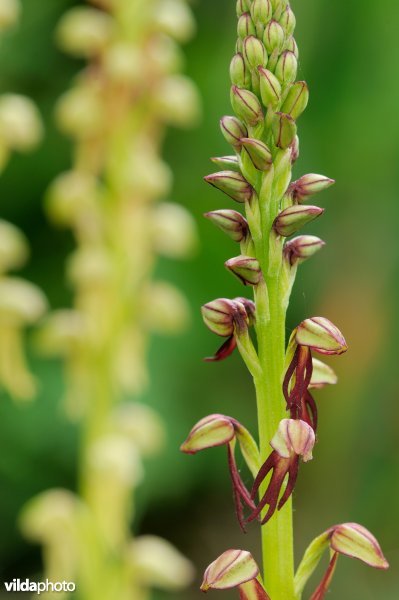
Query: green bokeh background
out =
(350, 59)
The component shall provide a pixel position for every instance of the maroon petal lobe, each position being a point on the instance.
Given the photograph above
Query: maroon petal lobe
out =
(322, 589)
(280, 467)
(240, 492)
(224, 351)
(292, 477)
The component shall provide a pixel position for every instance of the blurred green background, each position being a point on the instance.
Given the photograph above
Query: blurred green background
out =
(350, 59)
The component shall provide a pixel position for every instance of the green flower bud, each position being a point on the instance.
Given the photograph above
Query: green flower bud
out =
(84, 32)
(259, 153)
(245, 268)
(261, 11)
(294, 437)
(288, 21)
(165, 309)
(71, 196)
(284, 130)
(287, 67)
(13, 247)
(356, 541)
(321, 335)
(292, 46)
(294, 218)
(177, 101)
(246, 105)
(222, 316)
(301, 248)
(297, 100)
(229, 163)
(174, 231)
(232, 569)
(123, 63)
(231, 183)
(273, 37)
(245, 26)
(239, 73)
(230, 222)
(254, 52)
(270, 88)
(20, 123)
(9, 13)
(308, 185)
(242, 7)
(233, 130)
(212, 431)
(80, 112)
(21, 302)
(174, 18)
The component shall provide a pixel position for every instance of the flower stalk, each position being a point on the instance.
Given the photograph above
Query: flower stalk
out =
(263, 132)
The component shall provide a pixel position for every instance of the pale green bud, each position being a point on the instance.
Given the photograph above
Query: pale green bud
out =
(245, 268)
(227, 162)
(61, 332)
(270, 88)
(231, 183)
(259, 153)
(156, 563)
(288, 21)
(177, 101)
(9, 13)
(273, 37)
(80, 113)
(246, 105)
(231, 569)
(165, 55)
(90, 266)
(210, 432)
(222, 316)
(13, 247)
(20, 123)
(123, 63)
(49, 514)
(239, 72)
(175, 18)
(233, 130)
(116, 458)
(292, 219)
(261, 11)
(142, 425)
(21, 302)
(321, 335)
(287, 67)
(174, 231)
(144, 172)
(165, 309)
(254, 52)
(230, 222)
(70, 196)
(294, 437)
(356, 541)
(301, 248)
(308, 185)
(284, 130)
(84, 31)
(292, 46)
(245, 26)
(297, 100)
(243, 6)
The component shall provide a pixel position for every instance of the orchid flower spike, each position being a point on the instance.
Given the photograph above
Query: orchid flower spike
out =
(219, 430)
(235, 569)
(294, 439)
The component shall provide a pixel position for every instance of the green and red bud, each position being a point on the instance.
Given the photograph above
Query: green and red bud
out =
(242, 7)
(259, 153)
(233, 130)
(288, 21)
(245, 268)
(294, 437)
(246, 105)
(301, 248)
(270, 88)
(322, 375)
(308, 185)
(287, 67)
(321, 335)
(245, 26)
(254, 52)
(290, 220)
(232, 569)
(230, 222)
(297, 100)
(292, 46)
(284, 130)
(356, 541)
(273, 37)
(223, 316)
(231, 183)
(239, 72)
(214, 430)
(261, 11)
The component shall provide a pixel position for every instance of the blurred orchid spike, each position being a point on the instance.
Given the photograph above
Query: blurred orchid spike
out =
(235, 569)
(219, 430)
(294, 438)
(320, 335)
(228, 318)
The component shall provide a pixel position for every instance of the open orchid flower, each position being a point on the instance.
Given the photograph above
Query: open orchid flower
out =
(320, 335)
(294, 438)
(219, 430)
(235, 569)
(229, 319)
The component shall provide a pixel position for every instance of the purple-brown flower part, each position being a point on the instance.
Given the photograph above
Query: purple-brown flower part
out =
(293, 439)
(241, 494)
(225, 350)
(252, 590)
(297, 380)
(325, 583)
